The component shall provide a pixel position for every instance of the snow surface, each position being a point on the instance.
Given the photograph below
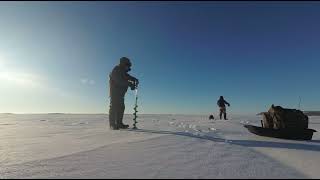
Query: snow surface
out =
(165, 146)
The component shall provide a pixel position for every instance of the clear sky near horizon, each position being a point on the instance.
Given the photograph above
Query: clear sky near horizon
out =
(56, 56)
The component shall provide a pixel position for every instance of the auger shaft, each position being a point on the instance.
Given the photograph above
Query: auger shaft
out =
(135, 110)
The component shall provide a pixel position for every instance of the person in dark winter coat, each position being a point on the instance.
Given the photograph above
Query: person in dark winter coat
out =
(222, 106)
(119, 82)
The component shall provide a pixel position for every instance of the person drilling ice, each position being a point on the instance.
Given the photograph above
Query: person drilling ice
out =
(119, 81)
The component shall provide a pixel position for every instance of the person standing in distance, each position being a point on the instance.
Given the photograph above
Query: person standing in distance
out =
(222, 106)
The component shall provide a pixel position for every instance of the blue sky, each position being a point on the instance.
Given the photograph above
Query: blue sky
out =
(56, 56)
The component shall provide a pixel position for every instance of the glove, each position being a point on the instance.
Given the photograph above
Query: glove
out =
(132, 86)
(135, 81)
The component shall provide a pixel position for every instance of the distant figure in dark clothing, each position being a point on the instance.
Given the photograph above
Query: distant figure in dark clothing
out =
(222, 105)
(119, 82)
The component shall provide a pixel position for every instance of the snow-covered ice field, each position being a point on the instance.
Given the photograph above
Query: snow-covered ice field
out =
(165, 146)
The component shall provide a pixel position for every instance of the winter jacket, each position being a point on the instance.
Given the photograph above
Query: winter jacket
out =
(222, 103)
(119, 82)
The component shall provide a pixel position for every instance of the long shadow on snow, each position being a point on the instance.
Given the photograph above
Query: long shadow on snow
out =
(246, 143)
(181, 134)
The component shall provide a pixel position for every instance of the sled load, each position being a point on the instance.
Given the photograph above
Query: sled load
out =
(283, 123)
